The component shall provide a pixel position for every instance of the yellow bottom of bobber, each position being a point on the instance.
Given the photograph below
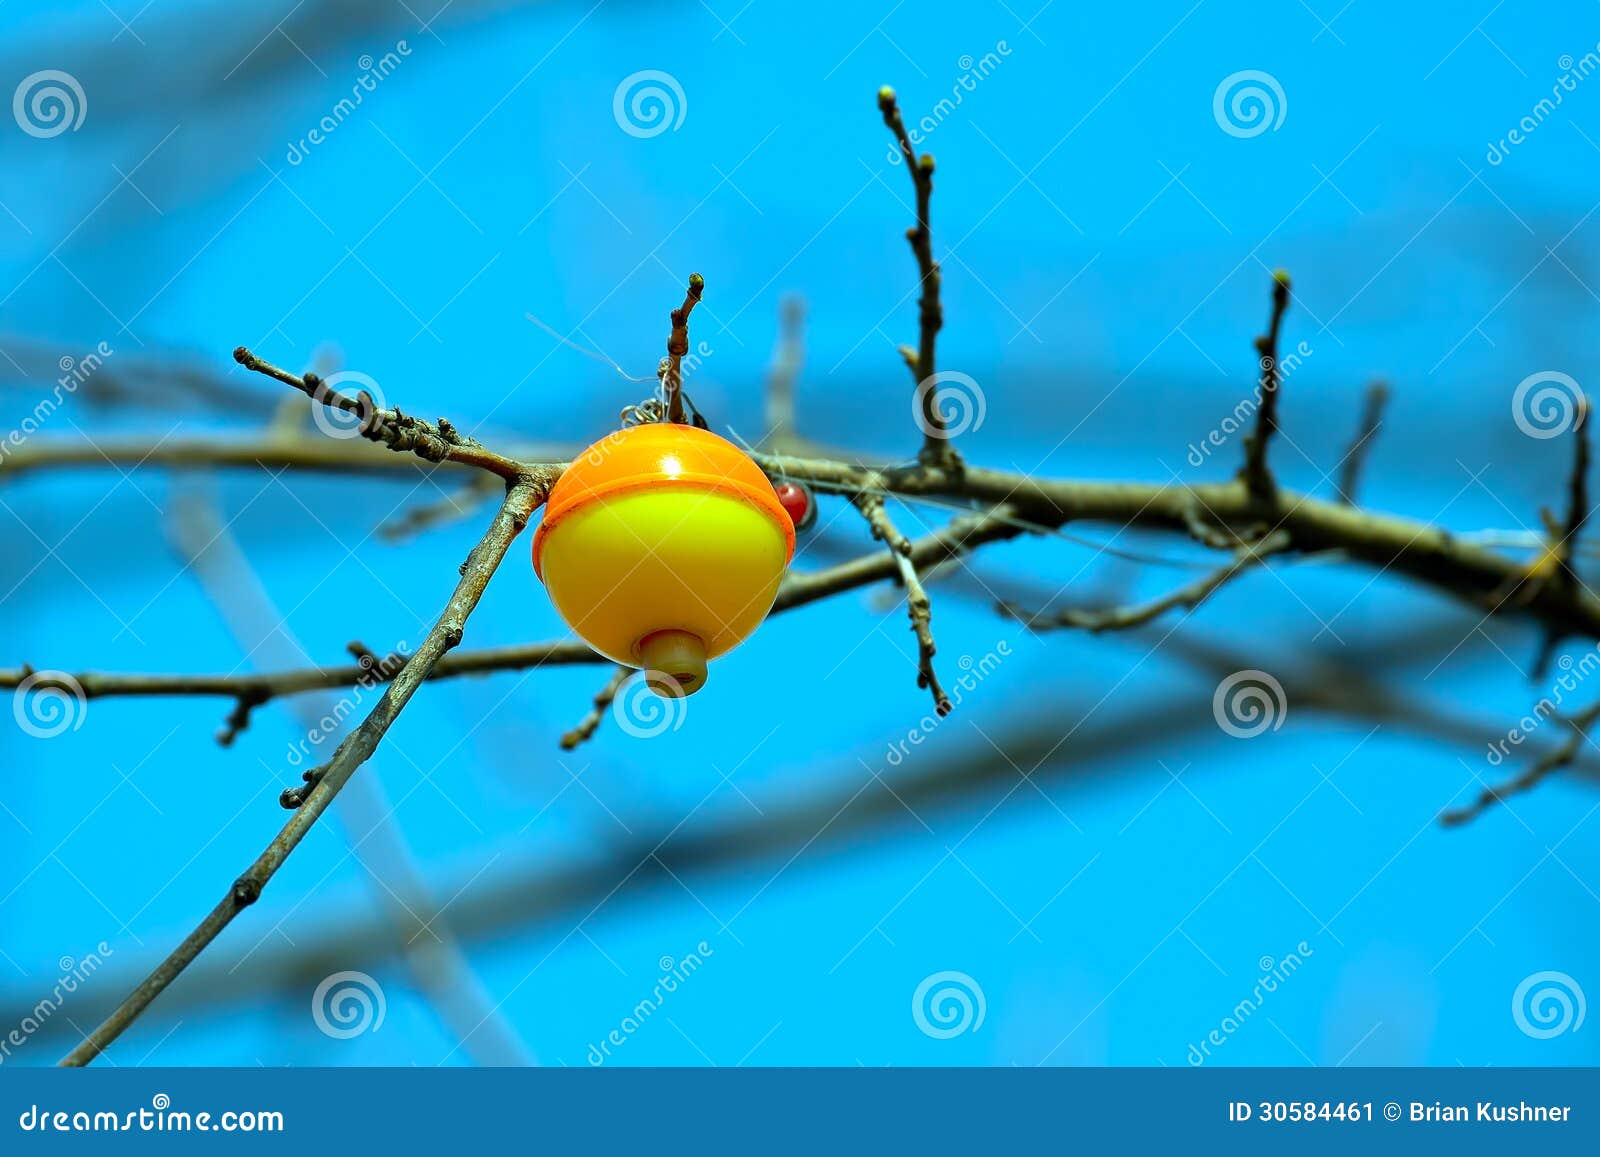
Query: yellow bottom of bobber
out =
(633, 574)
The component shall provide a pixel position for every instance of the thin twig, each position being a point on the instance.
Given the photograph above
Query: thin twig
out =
(918, 605)
(478, 490)
(1577, 491)
(603, 699)
(1555, 565)
(1356, 456)
(270, 450)
(429, 945)
(432, 441)
(1188, 597)
(1536, 772)
(788, 355)
(356, 749)
(677, 347)
(937, 448)
(1256, 474)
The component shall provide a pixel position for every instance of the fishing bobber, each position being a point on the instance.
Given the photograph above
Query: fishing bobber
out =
(662, 547)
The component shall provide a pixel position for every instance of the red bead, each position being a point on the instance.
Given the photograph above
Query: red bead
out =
(798, 501)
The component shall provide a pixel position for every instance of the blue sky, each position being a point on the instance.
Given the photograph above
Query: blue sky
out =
(1121, 871)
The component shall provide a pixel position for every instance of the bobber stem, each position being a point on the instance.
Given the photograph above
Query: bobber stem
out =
(674, 663)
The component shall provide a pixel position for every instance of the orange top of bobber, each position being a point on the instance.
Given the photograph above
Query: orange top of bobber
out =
(662, 546)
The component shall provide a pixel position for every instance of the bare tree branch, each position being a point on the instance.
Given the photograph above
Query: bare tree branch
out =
(478, 491)
(1536, 772)
(677, 347)
(1188, 597)
(990, 506)
(1256, 474)
(918, 605)
(1431, 555)
(521, 500)
(534, 892)
(603, 699)
(1356, 456)
(798, 590)
(788, 356)
(432, 441)
(937, 449)
(429, 946)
